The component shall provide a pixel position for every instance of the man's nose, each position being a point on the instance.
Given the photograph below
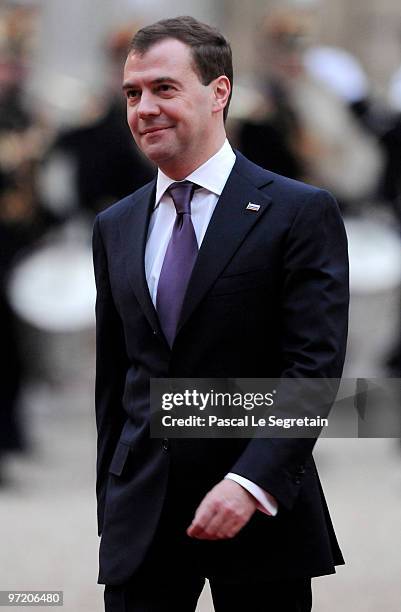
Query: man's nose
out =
(147, 106)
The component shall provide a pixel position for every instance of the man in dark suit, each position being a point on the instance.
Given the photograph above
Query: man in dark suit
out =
(217, 268)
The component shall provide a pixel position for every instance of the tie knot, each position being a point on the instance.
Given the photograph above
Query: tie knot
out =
(182, 194)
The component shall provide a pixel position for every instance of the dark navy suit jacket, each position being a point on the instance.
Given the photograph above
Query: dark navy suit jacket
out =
(268, 297)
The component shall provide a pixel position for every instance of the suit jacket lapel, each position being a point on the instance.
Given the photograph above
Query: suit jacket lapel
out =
(230, 223)
(133, 230)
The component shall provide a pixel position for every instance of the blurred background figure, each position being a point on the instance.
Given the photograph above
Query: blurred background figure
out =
(275, 120)
(391, 186)
(99, 157)
(308, 122)
(22, 218)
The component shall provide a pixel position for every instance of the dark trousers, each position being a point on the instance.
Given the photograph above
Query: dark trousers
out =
(172, 575)
(182, 596)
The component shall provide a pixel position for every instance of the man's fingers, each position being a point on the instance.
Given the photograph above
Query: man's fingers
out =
(219, 528)
(214, 528)
(219, 521)
(222, 513)
(203, 516)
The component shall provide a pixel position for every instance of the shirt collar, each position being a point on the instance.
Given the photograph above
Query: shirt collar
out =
(212, 175)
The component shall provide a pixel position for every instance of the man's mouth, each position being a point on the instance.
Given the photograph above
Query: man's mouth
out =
(155, 129)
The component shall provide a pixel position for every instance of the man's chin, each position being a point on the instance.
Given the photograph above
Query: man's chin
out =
(157, 154)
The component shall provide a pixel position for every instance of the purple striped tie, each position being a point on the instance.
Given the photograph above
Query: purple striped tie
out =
(178, 262)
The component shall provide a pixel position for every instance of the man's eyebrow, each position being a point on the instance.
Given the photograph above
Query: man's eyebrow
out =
(166, 79)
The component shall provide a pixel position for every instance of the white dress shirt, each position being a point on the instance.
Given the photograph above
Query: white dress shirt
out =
(211, 177)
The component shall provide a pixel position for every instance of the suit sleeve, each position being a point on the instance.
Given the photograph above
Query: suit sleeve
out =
(314, 323)
(111, 367)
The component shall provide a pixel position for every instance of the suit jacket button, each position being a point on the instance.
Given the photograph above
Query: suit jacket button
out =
(155, 332)
(297, 481)
(165, 444)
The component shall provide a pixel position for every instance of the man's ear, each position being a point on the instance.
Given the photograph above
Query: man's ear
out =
(221, 92)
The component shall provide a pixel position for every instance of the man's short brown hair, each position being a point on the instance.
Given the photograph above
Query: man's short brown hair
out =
(211, 52)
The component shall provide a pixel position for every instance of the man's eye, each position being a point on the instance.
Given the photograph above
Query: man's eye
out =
(165, 87)
(132, 93)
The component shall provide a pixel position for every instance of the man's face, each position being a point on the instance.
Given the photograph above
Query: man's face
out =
(171, 114)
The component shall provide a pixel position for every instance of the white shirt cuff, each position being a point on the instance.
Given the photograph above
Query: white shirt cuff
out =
(266, 502)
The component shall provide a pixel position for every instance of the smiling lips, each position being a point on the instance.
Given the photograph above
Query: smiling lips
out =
(152, 130)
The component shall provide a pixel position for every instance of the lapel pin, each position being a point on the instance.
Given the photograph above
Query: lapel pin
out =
(254, 207)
